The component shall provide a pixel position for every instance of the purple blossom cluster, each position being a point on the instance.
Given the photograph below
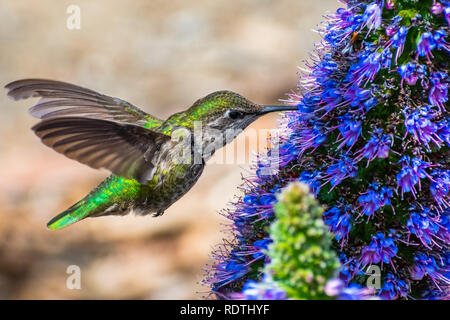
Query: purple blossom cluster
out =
(371, 138)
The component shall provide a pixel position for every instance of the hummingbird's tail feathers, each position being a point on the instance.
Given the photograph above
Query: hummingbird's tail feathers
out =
(114, 196)
(87, 207)
(74, 214)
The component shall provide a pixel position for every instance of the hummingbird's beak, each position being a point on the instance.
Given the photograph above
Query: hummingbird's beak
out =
(267, 109)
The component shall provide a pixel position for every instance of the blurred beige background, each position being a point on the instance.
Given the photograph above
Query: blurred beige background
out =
(161, 56)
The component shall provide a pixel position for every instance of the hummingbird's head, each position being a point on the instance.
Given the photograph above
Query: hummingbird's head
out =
(219, 117)
(227, 110)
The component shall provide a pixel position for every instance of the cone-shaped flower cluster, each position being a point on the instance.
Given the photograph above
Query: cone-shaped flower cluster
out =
(371, 138)
(301, 258)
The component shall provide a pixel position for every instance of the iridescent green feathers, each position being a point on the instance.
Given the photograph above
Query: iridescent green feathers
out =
(114, 196)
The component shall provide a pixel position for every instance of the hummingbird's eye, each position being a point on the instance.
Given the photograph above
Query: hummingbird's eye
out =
(234, 114)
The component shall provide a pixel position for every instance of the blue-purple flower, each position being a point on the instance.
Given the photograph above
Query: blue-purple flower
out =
(381, 249)
(425, 45)
(356, 95)
(350, 129)
(366, 69)
(378, 146)
(372, 200)
(429, 227)
(228, 271)
(372, 16)
(437, 8)
(398, 42)
(419, 123)
(393, 288)
(447, 15)
(339, 221)
(312, 179)
(443, 131)
(386, 59)
(338, 288)
(411, 173)
(439, 90)
(344, 168)
(428, 266)
(350, 267)
(311, 136)
(411, 72)
(440, 186)
(439, 39)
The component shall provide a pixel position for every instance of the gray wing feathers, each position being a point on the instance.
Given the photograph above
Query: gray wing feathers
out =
(64, 99)
(123, 149)
(92, 128)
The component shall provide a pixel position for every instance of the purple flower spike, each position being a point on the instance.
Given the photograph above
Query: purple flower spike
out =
(371, 134)
(425, 45)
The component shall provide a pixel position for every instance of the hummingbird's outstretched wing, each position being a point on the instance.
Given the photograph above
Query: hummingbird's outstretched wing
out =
(124, 149)
(92, 128)
(61, 99)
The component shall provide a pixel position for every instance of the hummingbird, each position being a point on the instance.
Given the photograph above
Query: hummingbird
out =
(137, 148)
